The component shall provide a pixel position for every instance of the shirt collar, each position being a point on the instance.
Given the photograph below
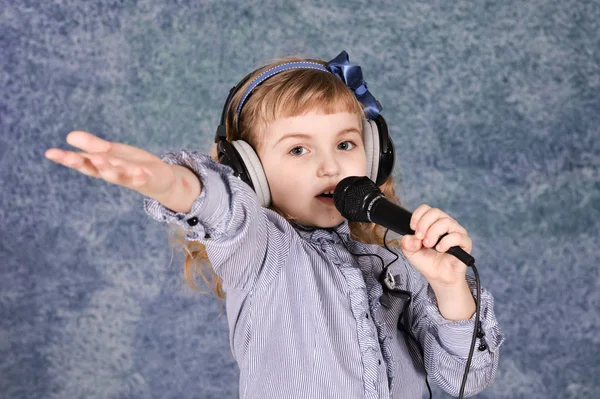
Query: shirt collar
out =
(316, 234)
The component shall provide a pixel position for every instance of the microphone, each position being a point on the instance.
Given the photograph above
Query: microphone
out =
(358, 199)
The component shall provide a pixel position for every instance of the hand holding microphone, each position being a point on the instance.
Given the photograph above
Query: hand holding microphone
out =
(437, 235)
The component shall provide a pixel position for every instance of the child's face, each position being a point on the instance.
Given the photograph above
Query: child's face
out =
(304, 156)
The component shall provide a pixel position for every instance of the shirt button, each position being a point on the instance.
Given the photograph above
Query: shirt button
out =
(193, 221)
(482, 347)
(367, 315)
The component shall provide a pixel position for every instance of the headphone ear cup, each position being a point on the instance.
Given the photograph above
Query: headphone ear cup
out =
(227, 155)
(255, 171)
(387, 153)
(371, 142)
(386, 162)
(379, 150)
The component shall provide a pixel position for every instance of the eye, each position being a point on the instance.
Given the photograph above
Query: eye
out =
(346, 145)
(297, 151)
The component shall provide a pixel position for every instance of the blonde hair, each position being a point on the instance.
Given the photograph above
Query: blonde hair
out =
(290, 93)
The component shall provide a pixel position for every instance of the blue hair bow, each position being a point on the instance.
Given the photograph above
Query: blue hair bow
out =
(352, 76)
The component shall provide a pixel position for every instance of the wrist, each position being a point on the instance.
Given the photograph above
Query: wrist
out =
(449, 290)
(455, 302)
(186, 188)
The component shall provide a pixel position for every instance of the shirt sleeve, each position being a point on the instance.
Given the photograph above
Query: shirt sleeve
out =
(445, 344)
(242, 239)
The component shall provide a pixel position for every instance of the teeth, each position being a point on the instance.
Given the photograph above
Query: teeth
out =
(328, 192)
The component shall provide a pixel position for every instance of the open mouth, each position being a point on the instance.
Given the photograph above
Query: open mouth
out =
(326, 194)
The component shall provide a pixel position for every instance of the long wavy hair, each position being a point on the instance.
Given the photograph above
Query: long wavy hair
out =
(287, 94)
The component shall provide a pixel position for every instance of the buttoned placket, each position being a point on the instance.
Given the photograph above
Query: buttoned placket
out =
(333, 248)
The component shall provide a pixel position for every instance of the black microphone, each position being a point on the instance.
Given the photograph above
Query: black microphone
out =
(358, 199)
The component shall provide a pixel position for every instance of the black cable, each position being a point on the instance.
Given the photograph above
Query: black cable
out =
(470, 262)
(352, 253)
(395, 293)
(388, 248)
(475, 330)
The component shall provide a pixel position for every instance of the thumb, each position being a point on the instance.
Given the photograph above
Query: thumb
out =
(410, 244)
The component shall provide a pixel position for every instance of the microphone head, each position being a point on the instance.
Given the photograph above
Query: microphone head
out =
(352, 197)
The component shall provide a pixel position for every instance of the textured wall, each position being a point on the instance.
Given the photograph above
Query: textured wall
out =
(494, 108)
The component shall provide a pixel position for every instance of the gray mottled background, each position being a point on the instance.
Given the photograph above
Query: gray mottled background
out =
(495, 112)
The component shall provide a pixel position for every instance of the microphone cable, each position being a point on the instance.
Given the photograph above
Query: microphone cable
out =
(389, 282)
(469, 261)
(476, 330)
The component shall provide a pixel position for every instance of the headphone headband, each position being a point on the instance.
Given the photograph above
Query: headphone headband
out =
(272, 72)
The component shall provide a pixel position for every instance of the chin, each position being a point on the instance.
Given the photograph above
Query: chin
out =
(321, 220)
(330, 223)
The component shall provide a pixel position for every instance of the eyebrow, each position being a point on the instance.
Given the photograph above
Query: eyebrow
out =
(308, 136)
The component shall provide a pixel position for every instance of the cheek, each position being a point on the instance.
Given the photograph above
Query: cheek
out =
(285, 185)
(358, 163)
(279, 180)
(272, 173)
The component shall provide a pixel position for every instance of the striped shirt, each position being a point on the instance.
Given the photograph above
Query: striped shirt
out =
(310, 319)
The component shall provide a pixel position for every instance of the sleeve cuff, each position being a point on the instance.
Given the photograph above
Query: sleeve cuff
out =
(455, 336)
(210, 210)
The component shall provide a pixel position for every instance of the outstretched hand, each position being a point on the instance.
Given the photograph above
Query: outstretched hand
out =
(116, 163)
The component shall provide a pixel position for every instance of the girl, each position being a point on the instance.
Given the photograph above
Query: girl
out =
(308, 315)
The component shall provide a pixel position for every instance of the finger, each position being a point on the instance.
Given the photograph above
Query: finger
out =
(118, 171)
(53, 154)
(436, 230)
(83, 164)
(112, 174)
(410, 243)
(88, 164)
(87, 142)
(426, 220)
(455, 239)
(93, 144)
(130, 168)
(106, 159)
(74, 160)
(56, 155)
(417, 214)
(101, 166)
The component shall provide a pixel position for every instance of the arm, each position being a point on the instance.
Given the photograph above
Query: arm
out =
(455, 302)
(443, 311)
(446, 343)
(242, 239)
(239, 235)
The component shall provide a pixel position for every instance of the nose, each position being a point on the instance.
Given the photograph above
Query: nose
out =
(328, 166)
